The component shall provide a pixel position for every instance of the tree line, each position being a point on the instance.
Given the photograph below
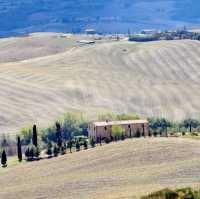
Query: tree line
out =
(70, 133)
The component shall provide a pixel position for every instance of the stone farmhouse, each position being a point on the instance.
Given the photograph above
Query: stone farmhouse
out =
(132, 128)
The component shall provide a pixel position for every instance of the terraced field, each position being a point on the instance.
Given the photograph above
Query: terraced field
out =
(52, 74)
(119, 170)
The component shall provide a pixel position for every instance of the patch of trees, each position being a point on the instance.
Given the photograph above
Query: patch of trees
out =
(174, 194)
(165, 35)
(143, 37)
(69, 134)
(162, 126)
(123, 116)
(118, 133)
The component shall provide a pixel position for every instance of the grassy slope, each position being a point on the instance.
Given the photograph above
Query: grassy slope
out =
(124, 169)
(151, 79)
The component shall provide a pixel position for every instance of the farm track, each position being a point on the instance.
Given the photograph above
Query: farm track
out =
(150, 79)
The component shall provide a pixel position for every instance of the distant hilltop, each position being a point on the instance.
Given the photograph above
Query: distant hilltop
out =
(114, 16)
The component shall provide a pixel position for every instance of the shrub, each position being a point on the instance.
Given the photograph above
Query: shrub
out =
(63, 148)
(189, 124)
(8, 144)
(117, 131)
(138, 133)
(85, 144)
(170, 194)
(155, 134)
(124, 116)
(26, 135)
(32, 153)
(70, 145)
(55, 150)
(107, 140)
(4, 159)
(194, 134)
(77, 146)
(122, 137)
(49, 151)
(92, 142)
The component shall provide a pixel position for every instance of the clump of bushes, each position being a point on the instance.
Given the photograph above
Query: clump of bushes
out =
(32, 153)
(185, 193)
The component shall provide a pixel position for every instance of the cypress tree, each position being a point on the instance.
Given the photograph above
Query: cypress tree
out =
(143, 130)
(77, 146)
(92, 142)
(31, 152)
(100, 141)
(19, 149)
(69, 145)
(34, 138)
(85, 144)
(63, 148)
(55, 150)
(4, 159)
(27, 153)
(49, 149)
(58, 135)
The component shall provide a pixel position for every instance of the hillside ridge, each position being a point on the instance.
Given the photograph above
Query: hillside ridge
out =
(159, 79)
(105, 16)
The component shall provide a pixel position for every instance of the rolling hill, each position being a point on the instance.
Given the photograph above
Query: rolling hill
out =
(46, 74)
(125, 169)
(22, 16)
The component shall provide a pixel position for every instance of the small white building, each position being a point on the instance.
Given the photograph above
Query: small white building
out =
(83, 42)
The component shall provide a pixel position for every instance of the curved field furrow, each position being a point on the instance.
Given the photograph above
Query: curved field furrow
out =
(150, 79)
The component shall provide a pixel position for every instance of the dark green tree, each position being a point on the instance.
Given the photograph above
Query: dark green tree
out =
(164, 124)
(27, 153)
(122, 137)
(63, 148)
(37, 152)
(59, 135)
(34, 138)
(92, 142)
(70, 145)
(138, 134)
(190, 123)
(100, 141)
(55, 150)
(4, 159)
(32, 153)
(77, 146)
(19, 149)
(85, 144)
(49, 149)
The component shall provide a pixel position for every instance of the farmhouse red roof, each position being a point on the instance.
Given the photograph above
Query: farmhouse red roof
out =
(110, 123)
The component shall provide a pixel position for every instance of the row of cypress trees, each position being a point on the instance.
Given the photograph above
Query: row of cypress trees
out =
(32, 152)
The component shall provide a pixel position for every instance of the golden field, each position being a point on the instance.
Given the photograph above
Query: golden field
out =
(44, 75)
(125, 169)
